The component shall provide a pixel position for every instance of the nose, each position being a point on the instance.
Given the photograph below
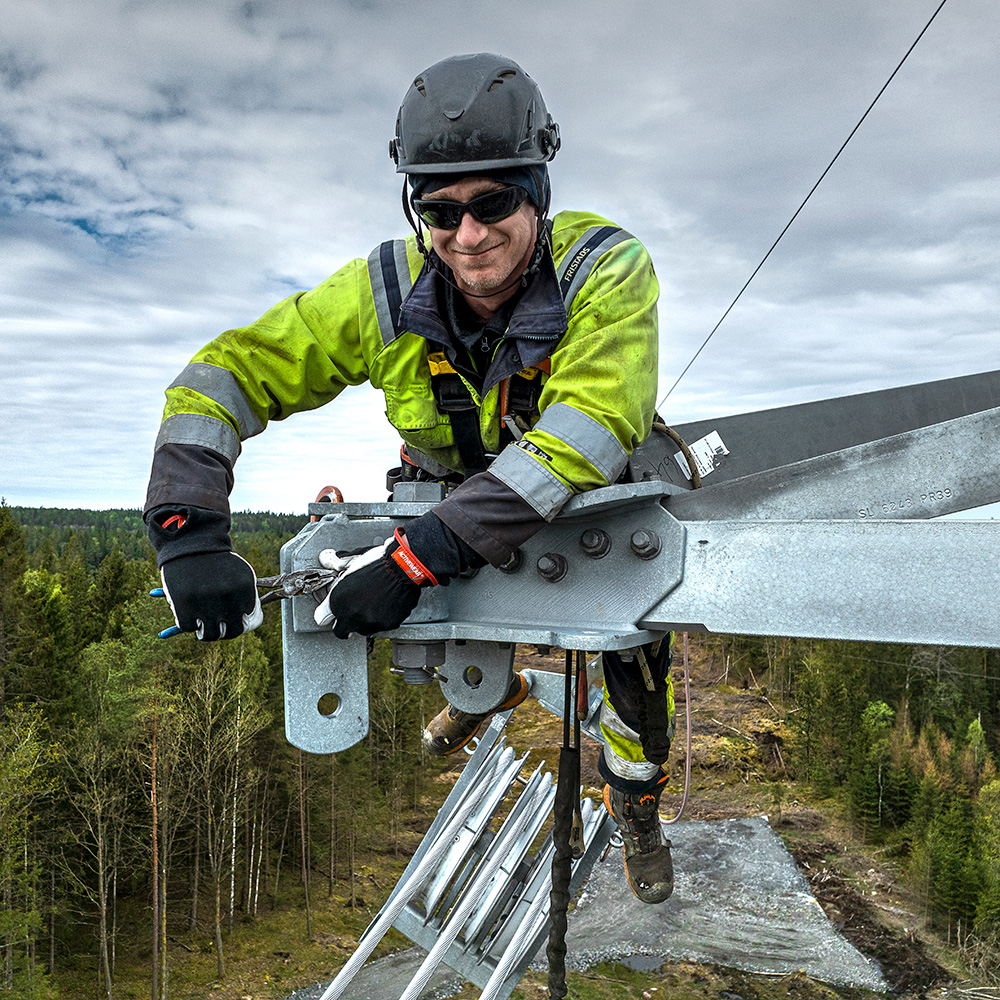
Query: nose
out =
(471, 232)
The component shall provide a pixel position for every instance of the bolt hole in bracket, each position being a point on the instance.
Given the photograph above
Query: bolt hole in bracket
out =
(620, 553)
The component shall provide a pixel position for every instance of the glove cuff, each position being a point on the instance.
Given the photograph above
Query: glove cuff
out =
(177, 530)
(404, 558)
(439, 549)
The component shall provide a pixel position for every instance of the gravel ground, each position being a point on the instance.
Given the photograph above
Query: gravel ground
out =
(740, 901)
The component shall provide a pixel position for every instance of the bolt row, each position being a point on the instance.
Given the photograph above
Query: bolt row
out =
(595, 544)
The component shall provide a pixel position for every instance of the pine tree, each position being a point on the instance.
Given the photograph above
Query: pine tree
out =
(24, 778)
(870, 767)
(13, 562)
(986, 838)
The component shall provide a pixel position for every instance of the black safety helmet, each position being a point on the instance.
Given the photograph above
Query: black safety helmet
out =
(472, 113)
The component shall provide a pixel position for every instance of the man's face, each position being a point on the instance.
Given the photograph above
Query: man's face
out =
(484, 258)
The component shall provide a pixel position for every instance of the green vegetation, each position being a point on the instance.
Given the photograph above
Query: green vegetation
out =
(909, 737)
(147, 792)
(153, 817)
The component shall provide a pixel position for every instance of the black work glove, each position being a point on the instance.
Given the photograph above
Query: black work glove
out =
(372, 594)
(213, 594)
(211, 590)
(378, 587)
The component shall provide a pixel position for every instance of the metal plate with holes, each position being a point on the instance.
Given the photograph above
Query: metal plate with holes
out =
(326, 688)
(476, 675)
(593, 605)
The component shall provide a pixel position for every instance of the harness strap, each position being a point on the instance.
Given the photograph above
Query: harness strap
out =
(453, 398)
(389, 273)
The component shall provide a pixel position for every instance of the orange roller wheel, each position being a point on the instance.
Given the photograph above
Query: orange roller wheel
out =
(329, 494)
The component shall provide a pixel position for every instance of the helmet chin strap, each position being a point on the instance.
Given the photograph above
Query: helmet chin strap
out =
(532, 268)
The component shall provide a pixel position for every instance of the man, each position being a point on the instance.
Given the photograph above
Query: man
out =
(518, 361)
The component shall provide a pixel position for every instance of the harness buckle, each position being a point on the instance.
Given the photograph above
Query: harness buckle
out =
(452, 396)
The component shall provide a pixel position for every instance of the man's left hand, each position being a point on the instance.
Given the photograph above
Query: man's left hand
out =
(372, 594)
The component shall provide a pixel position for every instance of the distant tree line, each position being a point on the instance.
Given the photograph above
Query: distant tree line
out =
(50, 531)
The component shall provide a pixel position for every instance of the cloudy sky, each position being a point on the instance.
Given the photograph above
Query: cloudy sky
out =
(170, 169)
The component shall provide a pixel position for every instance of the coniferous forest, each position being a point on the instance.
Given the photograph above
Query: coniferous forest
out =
(146, 786)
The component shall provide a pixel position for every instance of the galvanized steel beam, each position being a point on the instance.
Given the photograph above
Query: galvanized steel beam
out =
(769, 439)
(925, 582)
(947, 467)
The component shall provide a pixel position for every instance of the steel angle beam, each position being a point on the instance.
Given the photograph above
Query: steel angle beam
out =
(938, 469)
(769, 439)
(493, 916)
(417, 872)
(925, 582)
(471, 840)
(466, 785)
(549, 690)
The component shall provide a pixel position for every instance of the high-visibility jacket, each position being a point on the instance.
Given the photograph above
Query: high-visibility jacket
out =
(590, 312)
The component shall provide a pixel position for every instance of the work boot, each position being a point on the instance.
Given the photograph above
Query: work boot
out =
(648, 865)
(451, 729)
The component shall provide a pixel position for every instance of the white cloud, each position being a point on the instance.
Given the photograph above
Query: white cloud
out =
(168, 171)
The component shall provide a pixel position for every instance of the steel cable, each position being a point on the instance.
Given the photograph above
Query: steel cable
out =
(803, 204)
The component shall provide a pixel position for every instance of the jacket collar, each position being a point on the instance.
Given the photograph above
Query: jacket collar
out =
(539, 315)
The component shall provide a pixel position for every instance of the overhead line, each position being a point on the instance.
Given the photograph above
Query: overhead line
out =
(920, 668)
(801, 206)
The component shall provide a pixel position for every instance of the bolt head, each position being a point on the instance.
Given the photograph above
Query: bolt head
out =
(513, 564)
(645, 544)
(551, 567)
(595, 543)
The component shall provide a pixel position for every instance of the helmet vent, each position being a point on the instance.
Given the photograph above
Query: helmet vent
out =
(507, 74)
(419, 84)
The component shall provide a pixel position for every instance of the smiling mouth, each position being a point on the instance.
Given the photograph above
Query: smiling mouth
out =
(476, 253)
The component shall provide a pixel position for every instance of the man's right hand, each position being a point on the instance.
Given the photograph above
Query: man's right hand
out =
(213, 594)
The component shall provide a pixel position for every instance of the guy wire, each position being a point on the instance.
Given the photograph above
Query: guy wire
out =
(801, 206)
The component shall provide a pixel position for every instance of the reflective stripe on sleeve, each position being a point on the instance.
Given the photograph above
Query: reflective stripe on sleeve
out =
(195, 428)
(586, 436)
(389, 273)
(583, 255)
(220, 386)
(530, 480)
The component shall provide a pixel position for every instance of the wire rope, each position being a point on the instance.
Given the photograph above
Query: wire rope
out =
(803, 204)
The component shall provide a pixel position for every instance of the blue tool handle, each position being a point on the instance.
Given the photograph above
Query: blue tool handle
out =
(167, 633)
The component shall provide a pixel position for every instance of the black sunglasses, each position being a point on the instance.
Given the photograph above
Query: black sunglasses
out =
(494, 206)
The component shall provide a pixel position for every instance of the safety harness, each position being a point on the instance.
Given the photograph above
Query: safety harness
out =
(519, 395)
(520, 392)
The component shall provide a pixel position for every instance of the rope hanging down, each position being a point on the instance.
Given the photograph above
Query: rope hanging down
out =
(567, 831)
(801, 206)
